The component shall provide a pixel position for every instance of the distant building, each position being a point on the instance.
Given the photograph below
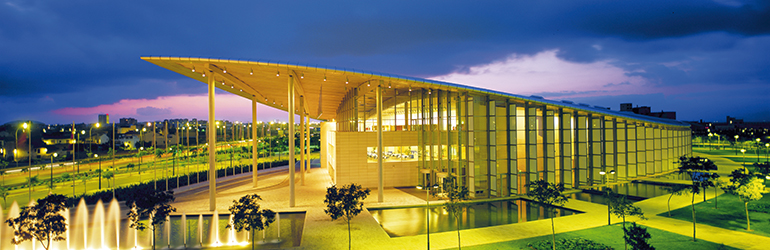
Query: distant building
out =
(125, 122)
(646, 110)
(104, 118)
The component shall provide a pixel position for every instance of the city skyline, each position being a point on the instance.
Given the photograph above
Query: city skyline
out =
(704, 60)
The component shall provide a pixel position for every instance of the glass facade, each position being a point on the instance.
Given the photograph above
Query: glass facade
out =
(495, 144)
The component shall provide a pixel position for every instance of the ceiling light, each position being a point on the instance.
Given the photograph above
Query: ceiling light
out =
(410, 89)
(223, 82)
(204, 74)
(429, 91)
(388, 84)
(251, 72)
(241, 90)
(225, 70)
(232, 86)
(281, 105)
(273, 101)
(324, 77)
(278, 73)
(193, 69)
(302, 76)
(346, 80)
(367, 84)
(265, 99)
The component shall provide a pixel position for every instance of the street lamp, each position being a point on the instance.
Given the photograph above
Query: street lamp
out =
(91, 145)
(736, 144)
(710, 146)
(50, 186)
(427, 207)
(767, 159)
(743, 151)
(757, 148)
(100, 170)
(607, 193)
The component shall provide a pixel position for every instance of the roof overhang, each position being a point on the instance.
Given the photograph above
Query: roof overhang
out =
(323, 88)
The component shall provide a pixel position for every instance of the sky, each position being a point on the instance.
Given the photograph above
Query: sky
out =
(68, 61)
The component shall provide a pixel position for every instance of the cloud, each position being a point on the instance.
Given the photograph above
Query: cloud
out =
(527, 75)
(153, 111)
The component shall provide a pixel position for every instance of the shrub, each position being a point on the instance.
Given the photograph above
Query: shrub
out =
(574, 243)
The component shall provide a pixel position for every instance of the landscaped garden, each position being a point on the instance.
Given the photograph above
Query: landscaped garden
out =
(611, 236)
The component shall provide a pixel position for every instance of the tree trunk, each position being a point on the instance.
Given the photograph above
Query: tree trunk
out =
(692, 205)
(625, 243)
(252, 238)
(715, 198)
(668, 204)
(748, 222)
(350, 241)
(553, 234)
(457, 221)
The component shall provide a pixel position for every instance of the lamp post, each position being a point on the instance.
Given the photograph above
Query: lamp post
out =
(607, 193)
(719, 140)
(100, 170)
(757, 148)
(50, 186)
(427, 188)
(767, 159)
(743, 151)
(736, 144)
(91, 145)
(710, 146)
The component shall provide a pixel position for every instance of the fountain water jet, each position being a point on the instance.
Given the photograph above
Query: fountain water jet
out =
(81, 216)
(113, 217)
(214, 232)
(97, 226)
(200, 229)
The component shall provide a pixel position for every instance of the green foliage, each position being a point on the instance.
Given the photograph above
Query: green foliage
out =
(548, 194)
(4, 193)
(248, 216)
(42, 222)
(760, 208)
(574, 243)
(455, 196)
(637, 237)
(155, 206)
(345, 203)
(698, 169)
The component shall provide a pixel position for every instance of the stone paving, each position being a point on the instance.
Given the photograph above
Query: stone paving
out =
(320, 232)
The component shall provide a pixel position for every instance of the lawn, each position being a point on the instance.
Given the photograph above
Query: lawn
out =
(613, 237)
(730, 215)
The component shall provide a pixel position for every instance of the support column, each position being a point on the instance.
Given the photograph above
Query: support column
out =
(292, 163)
(212, 147)
(307, 143)
(379, 143)
(302, 140)
(254, 144)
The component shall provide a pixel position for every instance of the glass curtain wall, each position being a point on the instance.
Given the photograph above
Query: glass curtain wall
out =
(495, 145)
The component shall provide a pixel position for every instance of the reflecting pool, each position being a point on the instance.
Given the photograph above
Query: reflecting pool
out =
(411, 221)
(635, 191)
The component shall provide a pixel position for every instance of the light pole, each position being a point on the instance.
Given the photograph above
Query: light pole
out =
(91, 145)
(427, 207)
(743, 151)
(50, 186)
(710, 146)
(719, 140)
(100, 170)
(736, 144)
(757, 148)
(607, 193)
(767, 159)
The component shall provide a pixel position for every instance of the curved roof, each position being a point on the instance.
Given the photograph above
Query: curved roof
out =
(324, 87)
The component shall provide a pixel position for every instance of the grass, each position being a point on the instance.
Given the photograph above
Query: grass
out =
(730, 215)
(612, 236)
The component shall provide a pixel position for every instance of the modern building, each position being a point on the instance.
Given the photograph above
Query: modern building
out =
(384, 130)
(104, 119)
(646, 110)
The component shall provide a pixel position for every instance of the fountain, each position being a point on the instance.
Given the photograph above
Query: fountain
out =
(105, 226)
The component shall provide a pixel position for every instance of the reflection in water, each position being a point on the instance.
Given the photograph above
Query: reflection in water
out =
(636, 191)
(411, 221)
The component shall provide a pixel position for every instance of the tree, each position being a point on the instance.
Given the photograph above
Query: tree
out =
(675, 189)
(4, 193)
(158, 153)
(620, 206)
(2, 172)
(110, 175)
(345, 202)
(548, 194)
(455, 196)
(637, 237)
(748, 187)
(84, 178)
(154, 206)
(42, 222)
(33, 181)
(248, 216)
(698, 169)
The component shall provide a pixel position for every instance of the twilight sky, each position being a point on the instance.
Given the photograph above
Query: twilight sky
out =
(65, 61)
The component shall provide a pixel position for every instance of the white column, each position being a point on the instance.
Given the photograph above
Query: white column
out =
(212, 148)
(302, 141)
(307, 143)
(379, 142)
(254, 144)
(291, 139)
